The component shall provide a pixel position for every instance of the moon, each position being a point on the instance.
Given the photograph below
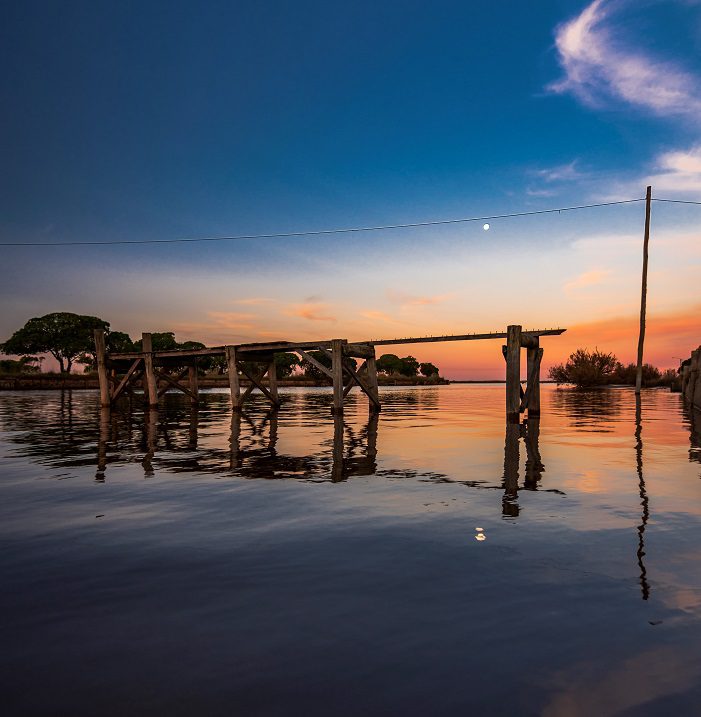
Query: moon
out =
(486, 227)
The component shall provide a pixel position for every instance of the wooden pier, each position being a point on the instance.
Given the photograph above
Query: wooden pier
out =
(156, 372)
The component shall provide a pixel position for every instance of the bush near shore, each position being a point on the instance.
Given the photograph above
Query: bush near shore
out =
(586, 368)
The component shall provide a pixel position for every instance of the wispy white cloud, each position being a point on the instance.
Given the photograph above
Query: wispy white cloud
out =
(560, 173)
(599, 67)
(673, 172)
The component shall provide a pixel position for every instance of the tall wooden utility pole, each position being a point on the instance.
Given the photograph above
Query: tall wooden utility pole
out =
(643, 296)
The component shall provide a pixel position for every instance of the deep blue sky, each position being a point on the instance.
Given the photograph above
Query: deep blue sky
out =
(159, 120)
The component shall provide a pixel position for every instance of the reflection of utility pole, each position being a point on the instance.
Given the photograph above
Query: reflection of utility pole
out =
(644, 586)
(643, 295)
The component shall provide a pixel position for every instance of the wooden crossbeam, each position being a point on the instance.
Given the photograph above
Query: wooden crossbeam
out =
(125, 381)
(350, 385)
(173, 382)
(128, 388)
(256, 380)
(358, 351)
(317, 364)
(360, 381)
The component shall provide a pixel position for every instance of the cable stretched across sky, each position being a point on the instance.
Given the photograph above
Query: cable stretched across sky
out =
(345, 230)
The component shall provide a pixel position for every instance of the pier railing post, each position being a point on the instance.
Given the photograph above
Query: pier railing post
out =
(513, 373)
(337, 374)
(150, 385)
(101, 354)
(533, 359)
(233, 372)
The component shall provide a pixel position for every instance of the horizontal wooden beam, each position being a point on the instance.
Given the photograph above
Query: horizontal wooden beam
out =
(358, 351)
(462, 337)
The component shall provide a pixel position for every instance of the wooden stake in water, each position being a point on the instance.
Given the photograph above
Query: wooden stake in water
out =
(643, 297)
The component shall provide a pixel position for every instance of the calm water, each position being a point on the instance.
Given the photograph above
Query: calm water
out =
(429, 562)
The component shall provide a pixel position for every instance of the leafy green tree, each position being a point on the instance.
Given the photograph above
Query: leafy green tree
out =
(285, 364)
(26, 364)
(409, 367)
(119, 342)
(428, 369)
(389, 364)
(311, 371)
(64, 335)
(163, 341)
(627, 374)
(584, 368)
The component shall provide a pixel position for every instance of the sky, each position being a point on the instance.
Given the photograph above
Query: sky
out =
(142, 121)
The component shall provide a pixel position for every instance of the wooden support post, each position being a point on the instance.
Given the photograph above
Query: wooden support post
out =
(102, 377)
(272, 380)
(372, 381)
(337, 374)
(643, 294)
(233, 378)
(513, 373)
(194, 387)
(150, 385)
(533, 359)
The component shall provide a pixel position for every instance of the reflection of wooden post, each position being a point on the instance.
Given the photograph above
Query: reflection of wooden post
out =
(534, 463)
(102, 443)
(234, 441)
(533, 358)
(233, 378)
(151, 427)
(511, 463)
(337, 453)
(513, 373)
(150, 386)
(273, 430)
(337, 374)
(373, 421)
(272, 379)
(101, 354)
(372, 381)
(194, 420)
(194, 384)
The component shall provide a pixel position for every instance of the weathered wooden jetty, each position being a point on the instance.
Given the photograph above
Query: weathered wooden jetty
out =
(159, 371)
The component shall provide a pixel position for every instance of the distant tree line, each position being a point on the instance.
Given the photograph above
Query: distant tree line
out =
(586, 368)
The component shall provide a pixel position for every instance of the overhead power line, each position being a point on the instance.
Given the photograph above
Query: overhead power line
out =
(321, 232)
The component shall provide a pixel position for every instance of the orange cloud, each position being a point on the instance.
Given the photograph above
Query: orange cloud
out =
(588, 278)
(311, 312)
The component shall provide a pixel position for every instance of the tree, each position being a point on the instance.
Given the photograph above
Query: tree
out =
(63, 335)
(584, 368)
(311, 371)
(428, 369)
(163, 341)
(409, 367)
(389, 364)
(285, 364)
(627, 374)
(119, 342)
(26, 364)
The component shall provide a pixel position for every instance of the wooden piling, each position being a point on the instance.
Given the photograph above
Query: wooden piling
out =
(372, 381)
(272, 380)
(513, 373)
(337, 374)
(150, 385)
(102, 377)
(533, 359)
(193, 383)
(233, 378)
